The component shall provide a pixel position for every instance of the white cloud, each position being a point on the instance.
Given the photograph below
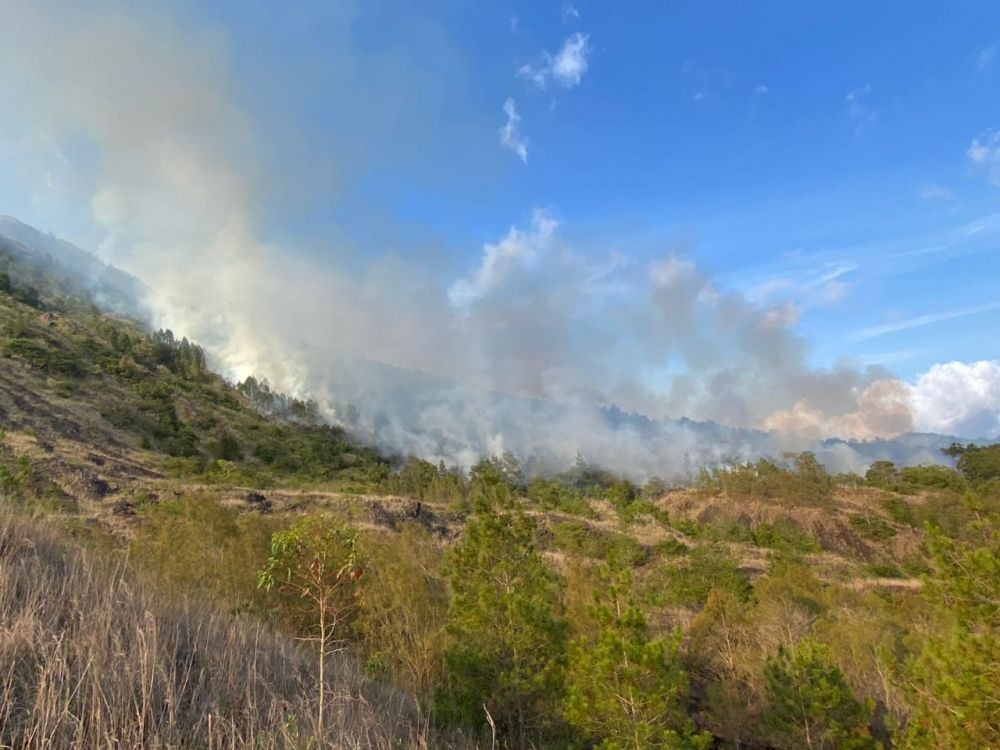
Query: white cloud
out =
(566, 68)
(569, 12)
(517, 249)
(985, 153)
(986, 57)
(511, 137)
(935, 193)
(959, 398)
(858, 107)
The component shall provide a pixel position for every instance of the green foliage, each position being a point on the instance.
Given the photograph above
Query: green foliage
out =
(689, 581)
(552, 494)
(507, 649)
(505, 469)
(810, 704)
(900, 511)
(626, 689)
(784, 535)
(952, 677)
(589, 541)
(44, 352)
(671, 547)
(194, 545)
(156, 389)
(883, 474)
(314, 568)
(227, 448)
(622, 493)
(403, 616)
(873, 528)
(272, 403)
(181, 357)
(977, 464)
(422, 480)
(884, 569)
(931, 476)
(805, 482)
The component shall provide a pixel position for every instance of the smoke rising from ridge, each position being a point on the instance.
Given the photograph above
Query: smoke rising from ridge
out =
(521, 353)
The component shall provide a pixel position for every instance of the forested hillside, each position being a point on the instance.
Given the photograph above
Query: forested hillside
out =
(188, 563)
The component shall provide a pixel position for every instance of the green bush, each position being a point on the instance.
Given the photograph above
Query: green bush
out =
(554, 495)
(884, 569)
(805, 481)
(784, 535)
(872, 528)
(931, 477)
(582, 539)
(900, 511)
(688, 581)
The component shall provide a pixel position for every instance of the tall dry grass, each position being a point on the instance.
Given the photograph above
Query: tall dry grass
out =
(91, 658)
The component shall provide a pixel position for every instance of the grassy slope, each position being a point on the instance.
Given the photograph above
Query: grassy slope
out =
(99, 433)
(92, 658)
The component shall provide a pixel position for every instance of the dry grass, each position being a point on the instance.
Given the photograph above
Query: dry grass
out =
(91, 658)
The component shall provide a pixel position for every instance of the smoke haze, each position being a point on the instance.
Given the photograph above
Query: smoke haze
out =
(527, 350)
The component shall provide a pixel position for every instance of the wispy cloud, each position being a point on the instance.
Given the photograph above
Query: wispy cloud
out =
(823, 284)
(984, 152)
(890, 357)
(921, 320)
(859, 108)
(935, 193)
(566, 68)
(986, 57)
(569, 12)
(511, 137)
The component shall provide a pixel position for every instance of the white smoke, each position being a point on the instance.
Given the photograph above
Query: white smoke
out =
(521, 354)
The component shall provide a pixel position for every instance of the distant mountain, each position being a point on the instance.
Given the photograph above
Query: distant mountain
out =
(50, 260)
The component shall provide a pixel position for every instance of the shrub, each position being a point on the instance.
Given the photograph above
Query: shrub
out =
(810, 704)
(784, 535)
(688, 581)
(582, 539)
(872, 528)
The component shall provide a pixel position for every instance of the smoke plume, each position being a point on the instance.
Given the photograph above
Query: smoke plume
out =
(537, 348)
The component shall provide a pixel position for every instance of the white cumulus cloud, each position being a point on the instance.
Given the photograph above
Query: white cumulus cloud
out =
(959, 398)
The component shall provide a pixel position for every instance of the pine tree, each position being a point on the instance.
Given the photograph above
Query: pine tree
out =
(810, 705)
(507, 650)
(625, 689)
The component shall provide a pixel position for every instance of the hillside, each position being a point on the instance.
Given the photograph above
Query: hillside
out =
(472, 602)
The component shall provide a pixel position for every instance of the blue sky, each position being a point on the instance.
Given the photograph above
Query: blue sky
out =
(839, 163)
(767, 141)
